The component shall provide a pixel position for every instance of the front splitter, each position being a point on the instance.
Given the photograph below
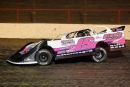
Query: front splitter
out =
(22, 63)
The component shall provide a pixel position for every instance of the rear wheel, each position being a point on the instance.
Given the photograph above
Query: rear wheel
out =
(44, 57)
(100, 55)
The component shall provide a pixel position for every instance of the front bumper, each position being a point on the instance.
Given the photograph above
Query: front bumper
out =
(26, 55)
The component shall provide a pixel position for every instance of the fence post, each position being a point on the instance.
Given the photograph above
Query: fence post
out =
(68, 16)
(119, 16)
(33, 12)
(85, 14)
(17, 15)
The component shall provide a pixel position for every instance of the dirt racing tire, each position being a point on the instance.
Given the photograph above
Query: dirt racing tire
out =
(44, 57)
(100, 55)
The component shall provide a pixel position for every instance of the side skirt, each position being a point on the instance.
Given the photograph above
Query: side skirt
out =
(64, 56)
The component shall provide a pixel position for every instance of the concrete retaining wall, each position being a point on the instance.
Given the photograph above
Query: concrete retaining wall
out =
(38, 31)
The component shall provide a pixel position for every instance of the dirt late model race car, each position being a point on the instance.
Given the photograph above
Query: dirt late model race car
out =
(73, 44)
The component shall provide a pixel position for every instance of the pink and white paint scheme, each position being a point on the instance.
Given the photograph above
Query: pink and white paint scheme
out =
(73, 44)
(114, 37)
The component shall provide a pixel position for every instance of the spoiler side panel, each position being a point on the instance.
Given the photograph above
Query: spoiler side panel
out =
(121, 28)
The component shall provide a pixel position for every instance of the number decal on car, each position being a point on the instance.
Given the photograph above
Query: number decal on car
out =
(84, 43)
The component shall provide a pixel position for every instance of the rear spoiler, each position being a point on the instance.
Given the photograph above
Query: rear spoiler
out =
(121, 28)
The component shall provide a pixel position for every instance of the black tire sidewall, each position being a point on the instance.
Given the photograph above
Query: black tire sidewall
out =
(49, 57)
(103, 52)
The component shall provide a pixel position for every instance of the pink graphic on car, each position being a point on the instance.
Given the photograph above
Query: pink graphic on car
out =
(25, 50)
(112, 36)
(88, 43)
(82, 44)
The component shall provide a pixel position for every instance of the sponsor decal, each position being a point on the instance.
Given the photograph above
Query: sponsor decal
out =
(25, 50)
(28, 48)
(119, 29)
(98, 37)
(112, 36)
(114, 46)
(74, 53)
(67, 42)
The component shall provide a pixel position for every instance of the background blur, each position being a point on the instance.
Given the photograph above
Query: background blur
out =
(65, 11)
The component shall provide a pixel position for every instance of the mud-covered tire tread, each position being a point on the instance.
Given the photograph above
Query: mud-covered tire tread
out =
(46, 53)
(103, 53)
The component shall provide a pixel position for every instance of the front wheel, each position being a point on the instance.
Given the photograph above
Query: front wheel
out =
(100, 55)
(44, 57)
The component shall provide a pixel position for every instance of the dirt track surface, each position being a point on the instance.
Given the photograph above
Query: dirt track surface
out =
(75, 72)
